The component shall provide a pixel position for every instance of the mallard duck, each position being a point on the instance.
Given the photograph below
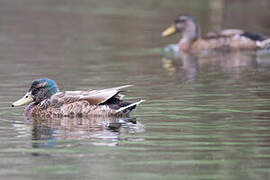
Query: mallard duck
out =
(227, 39)
(45, 100)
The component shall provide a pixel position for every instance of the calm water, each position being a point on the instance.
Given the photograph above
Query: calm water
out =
(205, 117)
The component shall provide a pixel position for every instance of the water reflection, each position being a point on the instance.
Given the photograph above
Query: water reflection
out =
(186, 67)
(99, 130)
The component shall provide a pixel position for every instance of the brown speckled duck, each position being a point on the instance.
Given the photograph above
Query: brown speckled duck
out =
(44, 100)
(227, 39)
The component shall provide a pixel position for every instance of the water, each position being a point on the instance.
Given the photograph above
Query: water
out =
(205, 117)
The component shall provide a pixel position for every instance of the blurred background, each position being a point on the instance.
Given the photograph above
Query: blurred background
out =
(204, 118)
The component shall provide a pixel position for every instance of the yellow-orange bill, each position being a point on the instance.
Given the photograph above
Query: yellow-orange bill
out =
(169, 31)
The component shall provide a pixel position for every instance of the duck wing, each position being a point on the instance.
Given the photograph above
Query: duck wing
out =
(223, 33)
(236, 32)
(96, 97)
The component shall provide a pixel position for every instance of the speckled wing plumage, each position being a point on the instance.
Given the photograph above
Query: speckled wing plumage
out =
(223, 33)
(104, 102)
(96, 97)
(228, 39)
(234, 39)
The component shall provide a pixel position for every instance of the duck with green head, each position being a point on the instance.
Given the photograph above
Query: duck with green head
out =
(43, 99)
(227, 39)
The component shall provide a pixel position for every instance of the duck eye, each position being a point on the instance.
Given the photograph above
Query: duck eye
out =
(26, 96)
(180, 20)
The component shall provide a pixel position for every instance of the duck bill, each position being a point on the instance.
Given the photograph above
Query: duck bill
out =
(26, 99)
(169, 31)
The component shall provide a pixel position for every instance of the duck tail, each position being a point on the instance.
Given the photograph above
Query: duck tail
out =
(129, 107)
(265, 44)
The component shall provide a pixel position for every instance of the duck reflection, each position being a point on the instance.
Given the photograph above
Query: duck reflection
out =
(99, 130)
(187, 67)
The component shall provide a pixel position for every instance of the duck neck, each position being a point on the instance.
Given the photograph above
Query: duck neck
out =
(189, 35)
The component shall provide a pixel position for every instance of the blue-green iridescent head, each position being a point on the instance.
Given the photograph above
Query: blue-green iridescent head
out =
(39, 90)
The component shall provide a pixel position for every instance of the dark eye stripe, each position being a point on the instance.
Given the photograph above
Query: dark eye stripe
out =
(179, 20)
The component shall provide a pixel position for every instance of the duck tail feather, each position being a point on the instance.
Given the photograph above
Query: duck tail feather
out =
(129, 106)
(265, 44)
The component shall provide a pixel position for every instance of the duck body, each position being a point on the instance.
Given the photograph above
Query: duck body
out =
(79, 104)
(105, 102)
(221, 43)
(228, 39)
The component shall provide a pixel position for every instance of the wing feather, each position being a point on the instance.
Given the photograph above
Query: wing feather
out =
(96, 97)
(224, 33)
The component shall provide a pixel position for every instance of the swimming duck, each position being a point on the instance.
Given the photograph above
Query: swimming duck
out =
(46, 101)
(227, 39)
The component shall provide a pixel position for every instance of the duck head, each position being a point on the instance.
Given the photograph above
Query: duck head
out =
(187, 25)
(39, 90)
